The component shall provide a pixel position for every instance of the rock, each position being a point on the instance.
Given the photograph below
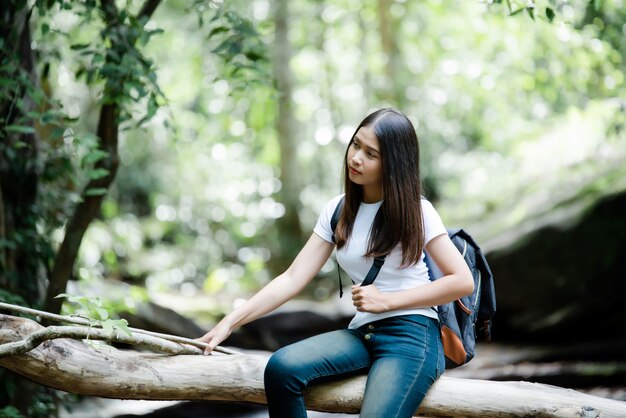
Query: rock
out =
(565, 281)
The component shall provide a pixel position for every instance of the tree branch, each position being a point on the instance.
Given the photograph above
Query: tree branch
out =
(76, 320)
(81, 333)
(148, 8)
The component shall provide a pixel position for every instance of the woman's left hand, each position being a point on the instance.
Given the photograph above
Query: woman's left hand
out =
(369, 299)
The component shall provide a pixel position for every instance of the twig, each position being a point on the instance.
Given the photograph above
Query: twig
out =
(85, 322)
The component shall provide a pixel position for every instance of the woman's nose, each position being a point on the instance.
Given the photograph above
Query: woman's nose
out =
(356, 158)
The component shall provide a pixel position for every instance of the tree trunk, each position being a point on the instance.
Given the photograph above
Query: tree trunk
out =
(86, 210)
(289, 229)
(19, 259)
(389, 45)
(22, 251)
(75, 367)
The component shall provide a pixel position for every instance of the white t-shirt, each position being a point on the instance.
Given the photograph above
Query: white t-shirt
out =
(391, 277)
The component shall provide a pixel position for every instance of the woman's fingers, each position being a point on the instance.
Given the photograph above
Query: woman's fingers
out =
(208, 339)
(357, 297)
(214, 337)
(368, 299)
(209, 349)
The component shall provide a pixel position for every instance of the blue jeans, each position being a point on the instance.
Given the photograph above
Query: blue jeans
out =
(403, 354)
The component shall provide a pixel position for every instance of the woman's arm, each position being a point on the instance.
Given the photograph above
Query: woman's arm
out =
(305, 266)
(456, 282)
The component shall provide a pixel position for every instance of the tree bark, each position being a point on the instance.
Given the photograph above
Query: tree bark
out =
(76, 367)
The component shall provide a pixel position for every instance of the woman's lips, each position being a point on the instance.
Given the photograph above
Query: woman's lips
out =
(353, 171)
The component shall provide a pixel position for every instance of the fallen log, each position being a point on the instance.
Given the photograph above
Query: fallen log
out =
(80, 368)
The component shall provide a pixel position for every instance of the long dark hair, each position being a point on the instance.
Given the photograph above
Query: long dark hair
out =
(399, 219)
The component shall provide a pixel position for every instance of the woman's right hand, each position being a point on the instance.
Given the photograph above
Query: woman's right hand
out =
(214, 337)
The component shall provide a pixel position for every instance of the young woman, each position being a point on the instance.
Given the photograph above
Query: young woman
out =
(394, 336)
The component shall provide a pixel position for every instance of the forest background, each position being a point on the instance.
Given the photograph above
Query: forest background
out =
(177, 153)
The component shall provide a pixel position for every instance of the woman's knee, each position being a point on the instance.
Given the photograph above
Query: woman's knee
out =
(277, 366)
(285, 364)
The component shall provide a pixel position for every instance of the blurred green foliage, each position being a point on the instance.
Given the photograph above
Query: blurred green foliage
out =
(194, 204)
(10, 412)
(508, 97)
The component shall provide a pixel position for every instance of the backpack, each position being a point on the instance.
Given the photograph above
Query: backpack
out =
(463, 320)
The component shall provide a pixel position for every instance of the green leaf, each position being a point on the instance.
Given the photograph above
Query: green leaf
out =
(98, 173)
(97, 59)
(217, 30)
(83, 303)
(153, 106)
(108, 328)
(10, 412)
(549, 14)
(94, 156)
(96, 191)
(223, 46)
(22, 129)
(20, 145)
(77, 47)
(103, 314)
(122, 326)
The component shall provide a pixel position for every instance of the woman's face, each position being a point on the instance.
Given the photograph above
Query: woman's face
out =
(364, 162)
